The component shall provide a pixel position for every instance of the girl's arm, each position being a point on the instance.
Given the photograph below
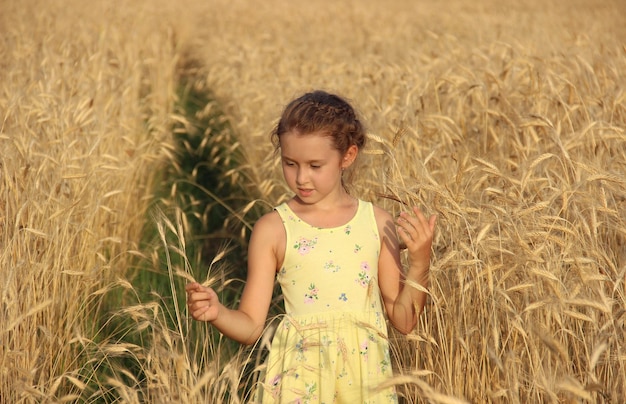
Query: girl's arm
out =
(403, 302)
(245, 324)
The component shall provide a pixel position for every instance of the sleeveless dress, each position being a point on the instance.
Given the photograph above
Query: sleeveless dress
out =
(331, 346)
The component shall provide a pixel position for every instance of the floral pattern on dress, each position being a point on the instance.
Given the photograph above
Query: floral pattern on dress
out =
(304, 245)
(363, 278)
(301, 349)
(363, 349)
(274, 386)
(309, 394)
(311, 295)
(334, 318)
(331, 266)
(384, 365)
(281, 273)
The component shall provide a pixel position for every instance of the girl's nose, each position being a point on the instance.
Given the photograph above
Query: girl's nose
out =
(301, 176)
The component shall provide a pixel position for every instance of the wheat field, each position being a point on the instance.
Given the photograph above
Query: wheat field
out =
(506, 119)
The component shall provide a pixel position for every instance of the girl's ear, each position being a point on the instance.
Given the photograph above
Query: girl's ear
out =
(349, 156)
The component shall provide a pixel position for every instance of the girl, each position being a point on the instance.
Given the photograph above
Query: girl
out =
(337, 259)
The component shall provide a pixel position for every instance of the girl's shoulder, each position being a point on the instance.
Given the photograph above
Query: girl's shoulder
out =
(269, 237)
(270, 222)
(381, 214)
(384, 221)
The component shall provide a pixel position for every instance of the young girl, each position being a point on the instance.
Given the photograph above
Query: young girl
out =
(337, 259)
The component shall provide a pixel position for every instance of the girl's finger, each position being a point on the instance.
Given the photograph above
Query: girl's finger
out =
(199, 312)
(405, 226)
(199, 296)
(193, 286)
(413, 225)
(431, 222)
(408, 220)
(421, 219)
(405, 236)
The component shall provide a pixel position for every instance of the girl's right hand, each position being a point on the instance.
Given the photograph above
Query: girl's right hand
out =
(202, 302)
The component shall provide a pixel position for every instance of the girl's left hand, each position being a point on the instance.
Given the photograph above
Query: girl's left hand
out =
(417, 233)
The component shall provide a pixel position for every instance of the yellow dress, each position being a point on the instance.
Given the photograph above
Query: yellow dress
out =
(331, 346)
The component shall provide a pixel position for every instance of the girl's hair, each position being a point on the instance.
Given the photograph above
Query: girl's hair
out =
(319, 111)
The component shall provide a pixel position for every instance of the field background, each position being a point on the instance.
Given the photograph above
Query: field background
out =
(135, 155)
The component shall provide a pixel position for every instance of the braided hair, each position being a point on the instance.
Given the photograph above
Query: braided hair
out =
(319, 111)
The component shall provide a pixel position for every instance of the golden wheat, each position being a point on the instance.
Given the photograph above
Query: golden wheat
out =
(83, 113)
(506, 119)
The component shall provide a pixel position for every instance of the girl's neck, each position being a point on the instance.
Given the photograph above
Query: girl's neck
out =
(326, 214)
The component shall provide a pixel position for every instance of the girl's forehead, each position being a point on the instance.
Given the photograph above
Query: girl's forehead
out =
(318, 139)
(317, 145)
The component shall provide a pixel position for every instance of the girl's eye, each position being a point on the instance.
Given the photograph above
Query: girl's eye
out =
(315, 166)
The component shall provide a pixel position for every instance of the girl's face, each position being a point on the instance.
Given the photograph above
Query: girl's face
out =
(312, 166)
